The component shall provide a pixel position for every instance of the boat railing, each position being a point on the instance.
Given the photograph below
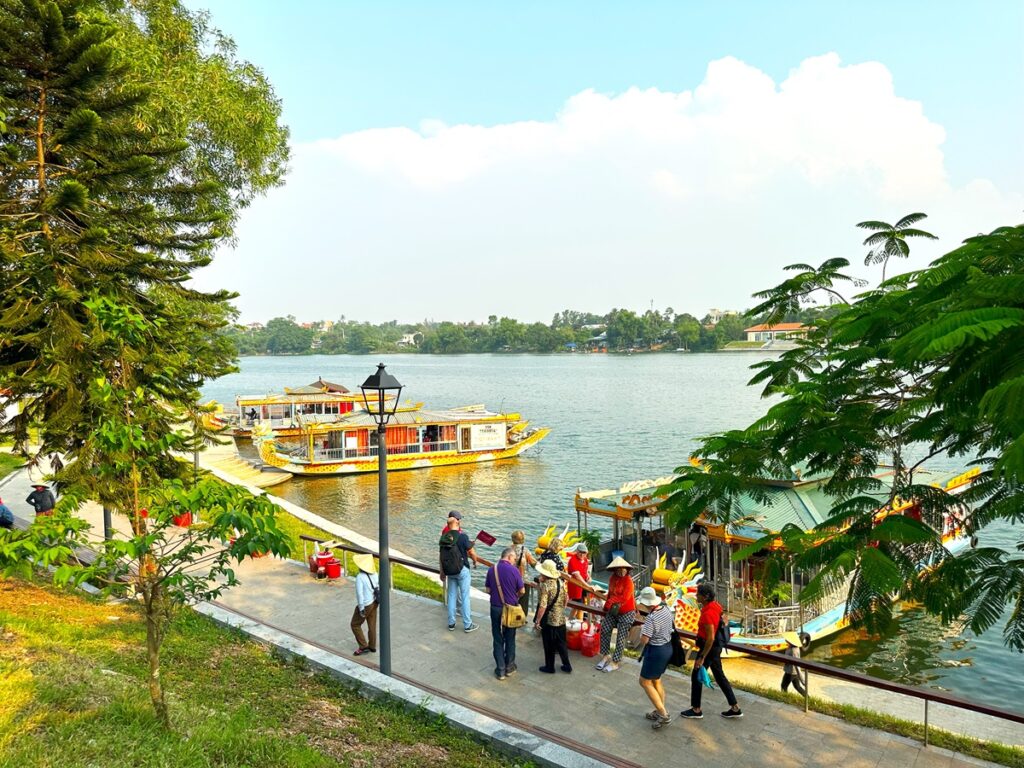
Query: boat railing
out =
(775, 620)
(927, 695)
(338, 454)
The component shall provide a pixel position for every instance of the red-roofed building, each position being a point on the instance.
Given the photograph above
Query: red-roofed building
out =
(777, 331)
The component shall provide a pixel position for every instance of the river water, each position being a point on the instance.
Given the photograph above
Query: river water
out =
(614, 418)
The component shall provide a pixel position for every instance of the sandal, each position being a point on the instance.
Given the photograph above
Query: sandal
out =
(600, 665)
(610, 667)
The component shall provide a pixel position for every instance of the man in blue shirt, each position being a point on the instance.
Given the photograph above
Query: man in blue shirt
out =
(6, 516)
(504, 584)
(455, 545)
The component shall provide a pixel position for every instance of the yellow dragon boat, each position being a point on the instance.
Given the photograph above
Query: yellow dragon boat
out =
(416, 439)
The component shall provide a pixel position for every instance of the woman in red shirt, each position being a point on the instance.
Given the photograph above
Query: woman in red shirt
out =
(619, 611)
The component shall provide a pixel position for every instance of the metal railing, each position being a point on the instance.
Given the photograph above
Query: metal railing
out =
(337, 454)
(923, 694)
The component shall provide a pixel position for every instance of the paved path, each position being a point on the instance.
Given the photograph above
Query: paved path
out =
(602, 710)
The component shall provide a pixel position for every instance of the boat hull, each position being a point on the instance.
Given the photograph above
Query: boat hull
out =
(396, 463)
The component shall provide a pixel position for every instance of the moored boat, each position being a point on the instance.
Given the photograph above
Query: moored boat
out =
(667, 562)
(416, 439)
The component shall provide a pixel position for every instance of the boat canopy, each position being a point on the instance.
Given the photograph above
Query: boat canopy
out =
(414, 417)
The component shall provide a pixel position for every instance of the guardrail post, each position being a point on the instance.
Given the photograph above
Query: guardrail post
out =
(926, 722)
(807, 689)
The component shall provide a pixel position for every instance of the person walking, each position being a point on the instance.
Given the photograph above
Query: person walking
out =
(656, 652)
(791, 674)
(367, 598)
(710, 641)
(42, 500)
(578, 569)
(619, 612)
(456, 558)
(504, 584)
(551, 617)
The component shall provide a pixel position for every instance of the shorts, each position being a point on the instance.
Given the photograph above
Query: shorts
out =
(656, 659)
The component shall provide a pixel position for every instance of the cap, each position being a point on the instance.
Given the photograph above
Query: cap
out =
(456, 514)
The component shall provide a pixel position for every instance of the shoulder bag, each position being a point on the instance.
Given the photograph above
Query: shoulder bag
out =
(512, 616)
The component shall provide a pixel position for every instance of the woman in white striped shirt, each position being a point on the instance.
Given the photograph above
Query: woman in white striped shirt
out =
(656, 646)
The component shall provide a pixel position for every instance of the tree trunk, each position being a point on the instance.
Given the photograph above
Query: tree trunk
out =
(154, 638)
(41, 158)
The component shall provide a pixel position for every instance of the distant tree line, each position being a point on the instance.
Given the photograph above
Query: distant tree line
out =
(617, 331)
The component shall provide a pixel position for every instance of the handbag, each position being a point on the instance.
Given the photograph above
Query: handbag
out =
(678, 657)
(512, 616)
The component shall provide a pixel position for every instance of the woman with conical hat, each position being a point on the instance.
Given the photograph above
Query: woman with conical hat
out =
(367, 596)
(619, 612)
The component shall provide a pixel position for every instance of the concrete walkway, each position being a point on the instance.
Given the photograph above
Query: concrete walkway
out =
(604, 711)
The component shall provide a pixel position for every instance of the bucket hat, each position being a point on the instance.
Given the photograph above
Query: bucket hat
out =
(649, 597)
(548, 569)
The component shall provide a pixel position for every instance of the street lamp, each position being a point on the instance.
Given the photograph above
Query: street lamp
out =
(375, 396)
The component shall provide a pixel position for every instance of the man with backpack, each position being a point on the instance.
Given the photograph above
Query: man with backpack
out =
(42, 500)
(367, 599)
(456, 558)
(712, 635)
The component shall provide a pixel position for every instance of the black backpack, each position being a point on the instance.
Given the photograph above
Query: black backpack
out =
(723, 634)
(451, 557)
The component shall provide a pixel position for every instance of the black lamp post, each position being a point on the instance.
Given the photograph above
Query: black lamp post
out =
(375, 391)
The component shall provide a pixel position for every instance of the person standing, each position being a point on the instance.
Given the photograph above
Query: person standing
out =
(656, 650)
(619, 612)
(791, 674)
(367, 598)
(552, 553)
(578, 567)
(523, 558)
(42, 500)
(551, 617)
(456, 559)
(710, 642)
(504, 584)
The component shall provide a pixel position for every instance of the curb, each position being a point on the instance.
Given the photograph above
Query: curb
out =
(372, 684)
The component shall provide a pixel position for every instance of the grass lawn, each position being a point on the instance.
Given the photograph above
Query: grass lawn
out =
(73, 694)
(9, 463)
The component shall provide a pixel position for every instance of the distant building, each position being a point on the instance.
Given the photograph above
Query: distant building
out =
(407, 340)
(714, 316)
(253, 327)
(778, 331)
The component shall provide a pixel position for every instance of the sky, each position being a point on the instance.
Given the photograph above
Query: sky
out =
(454, 160)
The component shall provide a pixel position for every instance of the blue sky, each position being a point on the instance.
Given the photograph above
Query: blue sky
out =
(346, 68)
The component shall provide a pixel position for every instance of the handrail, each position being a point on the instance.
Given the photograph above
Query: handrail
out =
(771, 657)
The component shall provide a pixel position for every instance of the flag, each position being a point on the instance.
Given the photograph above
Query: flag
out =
(486, 538)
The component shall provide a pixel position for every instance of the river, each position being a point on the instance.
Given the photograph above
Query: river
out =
(614, 418)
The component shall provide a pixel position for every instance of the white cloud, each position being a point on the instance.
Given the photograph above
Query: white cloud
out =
(691, 199)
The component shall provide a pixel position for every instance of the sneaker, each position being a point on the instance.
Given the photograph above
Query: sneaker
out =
(692, 714)
(451, 627)
(471, 628)
(546, 670)
(661, 722)
(732, 713)
(567, 668)
(499, 675)
(653, 715)
(512, 668)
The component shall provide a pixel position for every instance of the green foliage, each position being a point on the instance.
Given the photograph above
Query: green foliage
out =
(928, 364)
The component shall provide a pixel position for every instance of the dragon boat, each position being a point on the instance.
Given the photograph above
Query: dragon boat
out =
(674, 565)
